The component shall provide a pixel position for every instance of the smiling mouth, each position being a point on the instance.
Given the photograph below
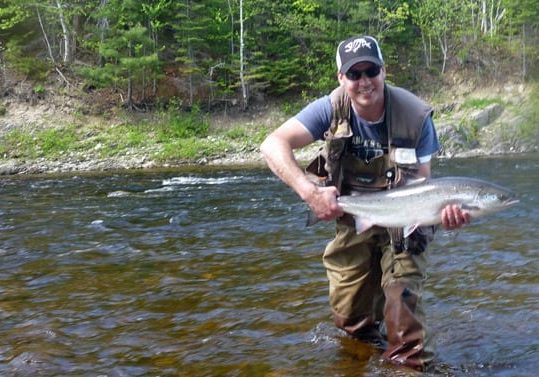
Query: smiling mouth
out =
(365, 91)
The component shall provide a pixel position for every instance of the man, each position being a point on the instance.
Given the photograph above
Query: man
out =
(376, 135)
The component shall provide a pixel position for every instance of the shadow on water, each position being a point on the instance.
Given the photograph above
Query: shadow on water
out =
(211, 272)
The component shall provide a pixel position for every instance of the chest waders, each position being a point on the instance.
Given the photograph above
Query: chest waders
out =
(376, 278)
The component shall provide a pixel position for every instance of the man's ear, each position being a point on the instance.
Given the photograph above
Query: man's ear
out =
(340, 77)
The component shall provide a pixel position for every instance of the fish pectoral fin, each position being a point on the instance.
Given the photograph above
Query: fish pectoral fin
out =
(415, 181)
(409, 229)
(362, 225)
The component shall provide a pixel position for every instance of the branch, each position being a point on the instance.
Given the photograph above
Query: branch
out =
(62, 76)
(45, 36)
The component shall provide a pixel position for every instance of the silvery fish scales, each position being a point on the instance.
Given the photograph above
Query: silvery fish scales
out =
(420, 204)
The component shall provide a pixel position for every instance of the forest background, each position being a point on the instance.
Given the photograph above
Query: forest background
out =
(113, 77)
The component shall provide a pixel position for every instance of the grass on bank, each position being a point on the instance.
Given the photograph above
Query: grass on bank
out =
(190, 137)
(164, 136)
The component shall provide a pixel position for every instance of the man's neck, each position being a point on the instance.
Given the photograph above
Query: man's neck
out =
(371, 115)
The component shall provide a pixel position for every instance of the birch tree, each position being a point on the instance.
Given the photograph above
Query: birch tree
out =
(66, 34)
(491, 13)
(242, 65)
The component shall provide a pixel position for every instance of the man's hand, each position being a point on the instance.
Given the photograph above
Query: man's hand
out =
(454, 217)
(323, 202)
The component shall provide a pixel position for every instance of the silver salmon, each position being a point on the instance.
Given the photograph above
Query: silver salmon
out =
(421, 203)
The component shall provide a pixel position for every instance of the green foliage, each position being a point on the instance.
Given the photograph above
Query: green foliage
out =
(11, 14)
(127, 49)
(20, 61)
(48, 143)
(529, 129)
(479, 103)
(468, 130)
(288, 47)
(292, 108)
(39, 89)
(189, 149)
(237, 133)
(53, 142)
(181, 125)
(17, 144)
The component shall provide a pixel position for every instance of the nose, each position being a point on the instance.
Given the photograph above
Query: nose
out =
(363, 79)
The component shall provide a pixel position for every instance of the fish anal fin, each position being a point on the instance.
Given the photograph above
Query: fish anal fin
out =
(362, 225)
(409, 229)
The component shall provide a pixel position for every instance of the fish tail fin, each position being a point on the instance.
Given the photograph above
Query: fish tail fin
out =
(311, 218)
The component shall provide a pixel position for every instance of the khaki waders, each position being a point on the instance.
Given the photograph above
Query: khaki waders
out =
(370, 283)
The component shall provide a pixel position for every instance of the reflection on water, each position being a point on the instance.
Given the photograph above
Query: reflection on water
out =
(212, 272)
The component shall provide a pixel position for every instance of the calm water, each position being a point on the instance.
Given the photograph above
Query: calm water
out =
(212, 273)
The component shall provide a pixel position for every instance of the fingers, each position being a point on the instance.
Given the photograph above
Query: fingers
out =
(324, 203)
(454, 217)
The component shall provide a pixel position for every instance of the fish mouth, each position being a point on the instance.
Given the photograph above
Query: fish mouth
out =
(511, 202)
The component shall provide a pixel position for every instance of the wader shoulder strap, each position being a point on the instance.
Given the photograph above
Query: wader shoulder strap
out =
(406, 115)
(341, 106)
(326, 168)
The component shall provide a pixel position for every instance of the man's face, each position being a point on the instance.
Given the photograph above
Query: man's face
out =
(367, 93)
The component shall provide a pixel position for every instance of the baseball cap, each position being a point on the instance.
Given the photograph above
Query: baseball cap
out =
(356, 50)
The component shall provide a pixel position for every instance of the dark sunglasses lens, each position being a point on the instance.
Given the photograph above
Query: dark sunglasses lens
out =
(371, 72)
(353, 75)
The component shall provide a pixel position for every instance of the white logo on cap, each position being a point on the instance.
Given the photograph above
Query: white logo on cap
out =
(357, 44)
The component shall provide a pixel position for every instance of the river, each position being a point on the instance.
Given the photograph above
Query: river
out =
(212, 272)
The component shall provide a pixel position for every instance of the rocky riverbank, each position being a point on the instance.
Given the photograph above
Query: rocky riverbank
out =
(495, 124)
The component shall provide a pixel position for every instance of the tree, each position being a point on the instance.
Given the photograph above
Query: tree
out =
(12, 13)
(190, 31)
(125, 47)
(155, 12)
(523, 21)
(441, 21)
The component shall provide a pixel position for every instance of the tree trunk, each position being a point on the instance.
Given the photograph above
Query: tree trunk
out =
(66, 38)
(425, 52)
(103, 25)
(2, 68)
(524, 68)
(231, 28)
(242, 78)
(484, 16)
(444, 48)
(49, 48)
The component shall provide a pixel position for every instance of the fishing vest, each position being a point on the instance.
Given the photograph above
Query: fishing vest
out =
(336, 165)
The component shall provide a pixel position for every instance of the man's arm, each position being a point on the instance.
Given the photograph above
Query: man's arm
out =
(278, 151)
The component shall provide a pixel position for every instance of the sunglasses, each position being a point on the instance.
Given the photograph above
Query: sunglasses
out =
(356, 74)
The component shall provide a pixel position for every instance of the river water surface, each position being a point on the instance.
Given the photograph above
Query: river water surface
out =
(212, 272)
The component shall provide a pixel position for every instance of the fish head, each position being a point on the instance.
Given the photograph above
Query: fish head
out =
(491, 198)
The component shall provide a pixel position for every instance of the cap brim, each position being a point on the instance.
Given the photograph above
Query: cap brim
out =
(351, 63)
